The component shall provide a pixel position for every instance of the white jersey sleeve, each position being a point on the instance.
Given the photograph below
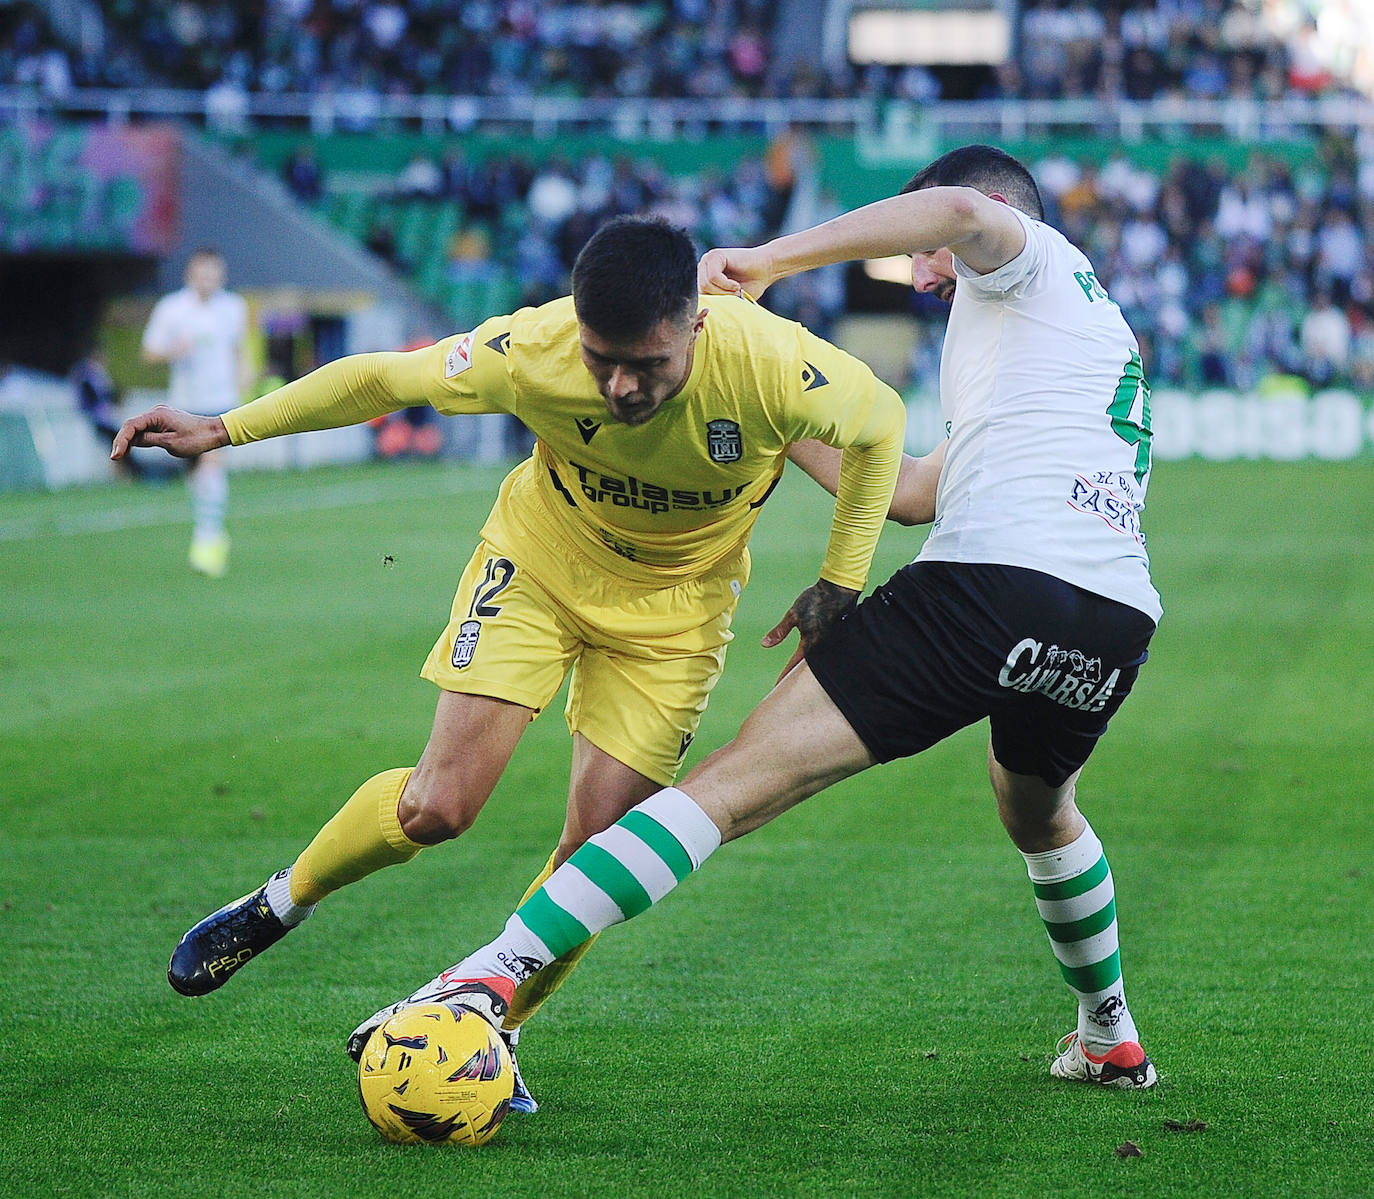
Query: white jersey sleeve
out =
(1048, 416)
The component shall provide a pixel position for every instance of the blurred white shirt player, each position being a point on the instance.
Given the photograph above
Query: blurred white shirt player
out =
(200, 332)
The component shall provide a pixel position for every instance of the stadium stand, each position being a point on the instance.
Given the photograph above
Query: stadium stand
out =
(1212, 169)
(1123, 49)
(1217, 261)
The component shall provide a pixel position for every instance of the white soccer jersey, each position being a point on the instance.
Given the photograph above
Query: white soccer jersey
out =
(207, 379)
(1048, 418)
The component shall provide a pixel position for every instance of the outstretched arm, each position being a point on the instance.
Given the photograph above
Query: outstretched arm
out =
(984, 233)
(347, 391)
(913, 501)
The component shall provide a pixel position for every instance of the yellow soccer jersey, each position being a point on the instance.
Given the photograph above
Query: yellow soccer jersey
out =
(650, 503)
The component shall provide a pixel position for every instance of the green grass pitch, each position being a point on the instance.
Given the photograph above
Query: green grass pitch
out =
(856, 1001)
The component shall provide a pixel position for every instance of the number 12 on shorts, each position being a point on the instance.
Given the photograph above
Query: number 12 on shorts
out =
(496, 578)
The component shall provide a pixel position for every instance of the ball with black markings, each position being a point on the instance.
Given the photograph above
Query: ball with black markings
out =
(435, 1074)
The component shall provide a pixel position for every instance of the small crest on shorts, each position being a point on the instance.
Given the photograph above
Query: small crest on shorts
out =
(465, 643)
(459, 357)
(723, 441)
(687, 739)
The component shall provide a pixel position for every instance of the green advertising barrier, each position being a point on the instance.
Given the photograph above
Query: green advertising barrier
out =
(856, 169)
(89, 187)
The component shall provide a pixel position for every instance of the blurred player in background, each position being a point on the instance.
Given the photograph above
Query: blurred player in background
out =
(617, 551)
(1030, 603)
(201, 333)
(98, 399)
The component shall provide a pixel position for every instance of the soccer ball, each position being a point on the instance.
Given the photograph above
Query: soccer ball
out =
(434, 1073)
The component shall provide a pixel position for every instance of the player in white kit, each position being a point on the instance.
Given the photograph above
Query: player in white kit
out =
(200, 332)
(1030, 603)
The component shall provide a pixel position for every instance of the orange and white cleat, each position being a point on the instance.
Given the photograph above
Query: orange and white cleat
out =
(1124, 1066)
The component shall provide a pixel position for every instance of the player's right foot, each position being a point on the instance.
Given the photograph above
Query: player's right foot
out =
(1124, 1066)
(223, 943)
(490, 998)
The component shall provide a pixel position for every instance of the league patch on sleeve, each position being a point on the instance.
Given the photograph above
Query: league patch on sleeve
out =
(459, 358)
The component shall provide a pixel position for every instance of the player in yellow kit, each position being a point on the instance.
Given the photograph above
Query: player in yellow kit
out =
(617, 551)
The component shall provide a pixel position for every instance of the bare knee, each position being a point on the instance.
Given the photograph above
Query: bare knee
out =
(430, 814)
(1038, 817)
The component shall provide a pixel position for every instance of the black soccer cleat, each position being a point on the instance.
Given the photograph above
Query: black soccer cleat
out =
(223, 943)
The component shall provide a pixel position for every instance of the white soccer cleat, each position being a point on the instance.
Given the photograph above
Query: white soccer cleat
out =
(490, 998)
(1125, 1066)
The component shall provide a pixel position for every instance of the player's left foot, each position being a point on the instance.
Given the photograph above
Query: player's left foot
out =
(1124, 1066)
(488, 997)
(223, 943)
(520, 1100)
(210, 556)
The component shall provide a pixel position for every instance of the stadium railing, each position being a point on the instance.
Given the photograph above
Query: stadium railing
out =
(321, 112)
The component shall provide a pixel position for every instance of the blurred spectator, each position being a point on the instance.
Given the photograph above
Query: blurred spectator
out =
(420, 178)
(302, 174)
(381, 241)
(98, 399)
(1325, 341)
(790, 156)
(553, 193)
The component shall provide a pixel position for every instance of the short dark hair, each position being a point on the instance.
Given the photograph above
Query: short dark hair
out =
(634, 273)
(986, 169)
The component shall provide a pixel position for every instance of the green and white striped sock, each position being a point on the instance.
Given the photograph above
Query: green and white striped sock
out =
(1077, 902)
(616, 875)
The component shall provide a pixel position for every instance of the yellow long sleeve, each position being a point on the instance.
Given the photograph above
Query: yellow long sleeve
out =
(868, 476)
(347, 391)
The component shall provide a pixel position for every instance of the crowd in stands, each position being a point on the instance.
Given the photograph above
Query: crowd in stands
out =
(1260, 277)
(1232, 276)
(526, 222)
(360, 50)
(1254, 274)
(1242, 278)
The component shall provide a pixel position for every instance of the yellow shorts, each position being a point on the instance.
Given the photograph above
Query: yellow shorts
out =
(643, 659)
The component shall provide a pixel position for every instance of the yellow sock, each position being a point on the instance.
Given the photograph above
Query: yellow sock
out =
(364, 835)
(530, 994)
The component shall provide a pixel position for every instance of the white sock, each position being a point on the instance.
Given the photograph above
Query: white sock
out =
(279, 900)
(209, 487)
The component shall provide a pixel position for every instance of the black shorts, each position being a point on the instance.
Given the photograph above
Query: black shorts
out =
(943, 644)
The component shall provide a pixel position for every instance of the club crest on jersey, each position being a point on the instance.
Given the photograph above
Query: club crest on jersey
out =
(465, 644)
(723, 441)
(459, 357)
